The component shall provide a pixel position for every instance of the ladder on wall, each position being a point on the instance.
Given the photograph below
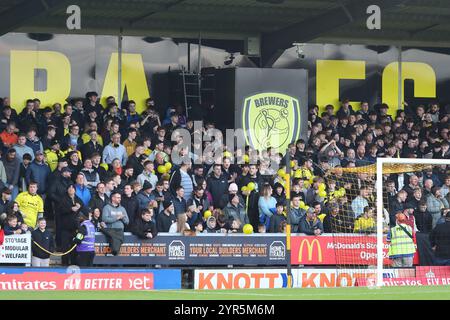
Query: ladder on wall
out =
(192, 83)
(199, 85)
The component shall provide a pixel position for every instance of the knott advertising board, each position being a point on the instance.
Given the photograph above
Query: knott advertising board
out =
(343, 250)
(16, 249)
(195, 250)
(277, 278)
(74, 278)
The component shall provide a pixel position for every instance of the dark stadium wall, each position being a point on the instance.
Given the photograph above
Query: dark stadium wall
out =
(55, 67)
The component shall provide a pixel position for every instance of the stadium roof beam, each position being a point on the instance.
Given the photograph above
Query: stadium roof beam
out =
(148, 14)
(27, 10)
(274, 43)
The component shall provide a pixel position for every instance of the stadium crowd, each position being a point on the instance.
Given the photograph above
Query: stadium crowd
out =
(113, 166)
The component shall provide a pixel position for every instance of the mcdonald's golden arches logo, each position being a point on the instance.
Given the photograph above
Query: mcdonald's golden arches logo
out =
(310, 247)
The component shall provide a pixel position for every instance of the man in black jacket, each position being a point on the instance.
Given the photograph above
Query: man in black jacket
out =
(415, 199)
(199, 201)
(70, 206)
(144, 227)
(253, 176)
(397, 205)
(160, 195)
(179, 203)
(92, 104)
(440, 242)
(58, 188)
(131, 205)
(99, 199)
(181, 178)
(44, 238)
(91, 147)
(12, 168)
(96, 159)
(135, 161)
(217, 185)
(424, 220)
(338, 221)
(166, 217)
(251, 199)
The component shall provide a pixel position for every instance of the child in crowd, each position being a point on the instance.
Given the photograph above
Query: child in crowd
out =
(282, 227)
(211, 225)
(277, 218)
(198, 226)
(236, 226)
(261, 228)
(12, 227)
(222, 223)
(44, 239)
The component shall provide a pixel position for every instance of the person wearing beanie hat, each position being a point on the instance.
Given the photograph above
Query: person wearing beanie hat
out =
(145, 196)
(127, 174)
(166, 217)
(310, 224)
(53, 154)
(235, 209)
(167, 204)
(147, 174)
(233, 187)
(232, 190)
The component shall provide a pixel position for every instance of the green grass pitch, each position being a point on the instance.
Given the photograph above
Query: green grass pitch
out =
(354, 293)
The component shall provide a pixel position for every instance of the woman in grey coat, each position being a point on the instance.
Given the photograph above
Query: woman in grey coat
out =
(436, 202)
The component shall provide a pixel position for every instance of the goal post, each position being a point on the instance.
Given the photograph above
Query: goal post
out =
(387, 166)
(370, 208)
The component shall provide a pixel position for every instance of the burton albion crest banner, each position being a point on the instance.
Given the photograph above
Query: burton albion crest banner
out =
(271, 119)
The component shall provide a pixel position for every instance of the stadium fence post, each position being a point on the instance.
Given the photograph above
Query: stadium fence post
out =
(380, 244)
(287, 188)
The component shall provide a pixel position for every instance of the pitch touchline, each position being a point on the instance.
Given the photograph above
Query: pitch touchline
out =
(297, 295)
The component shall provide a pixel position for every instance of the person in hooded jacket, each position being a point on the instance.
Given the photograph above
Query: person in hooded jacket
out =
(278, 192)
(211, 225)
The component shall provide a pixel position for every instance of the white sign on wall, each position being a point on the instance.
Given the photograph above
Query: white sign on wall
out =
(16, 249)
